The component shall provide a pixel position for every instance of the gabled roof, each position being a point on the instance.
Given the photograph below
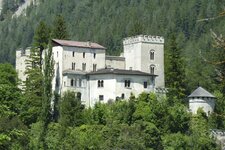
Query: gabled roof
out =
(120, 72)
(200, 92)
(77, 44)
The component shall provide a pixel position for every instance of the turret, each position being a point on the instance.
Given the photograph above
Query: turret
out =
(201, 98)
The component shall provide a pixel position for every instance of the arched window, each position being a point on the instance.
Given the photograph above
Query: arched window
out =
(152, 54)
(152, 69)
(127, 83)
(100, 83)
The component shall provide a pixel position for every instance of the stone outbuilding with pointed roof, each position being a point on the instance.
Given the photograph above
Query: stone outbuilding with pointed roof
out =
(201, 98)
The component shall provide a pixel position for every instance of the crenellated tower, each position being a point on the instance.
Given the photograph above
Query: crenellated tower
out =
(145, 53)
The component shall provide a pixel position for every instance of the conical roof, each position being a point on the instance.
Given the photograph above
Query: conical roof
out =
(200, 92)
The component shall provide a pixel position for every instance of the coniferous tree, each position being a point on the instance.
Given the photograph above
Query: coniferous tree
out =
(60, 29)
(41, 40)
(175, 73)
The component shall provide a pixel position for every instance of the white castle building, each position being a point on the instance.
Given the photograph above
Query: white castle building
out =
(85, 68)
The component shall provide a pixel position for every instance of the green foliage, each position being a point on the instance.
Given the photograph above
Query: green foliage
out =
(60, 28)
(175, 72)
(13, 133)
(70, 110)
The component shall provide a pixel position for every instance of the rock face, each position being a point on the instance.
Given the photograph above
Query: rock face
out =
(23, 7)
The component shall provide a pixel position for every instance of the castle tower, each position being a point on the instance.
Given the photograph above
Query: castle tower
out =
(145, 53)
(201, 98)
(21, 56)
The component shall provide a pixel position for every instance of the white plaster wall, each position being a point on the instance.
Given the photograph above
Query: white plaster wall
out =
(118, 64)
(21, 65)
(58, 67)
(207, 104)
(132, 54)
(83, 89)
(136, 86)
(114, 86)
(158, 61)
(108, 90)
(78, 58)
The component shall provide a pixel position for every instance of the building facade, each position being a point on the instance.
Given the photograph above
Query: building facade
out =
(85, 68)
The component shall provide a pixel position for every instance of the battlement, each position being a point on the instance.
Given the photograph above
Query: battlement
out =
(143, 38)
(23, 52)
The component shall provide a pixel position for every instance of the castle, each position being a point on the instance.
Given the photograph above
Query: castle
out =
(85, 68)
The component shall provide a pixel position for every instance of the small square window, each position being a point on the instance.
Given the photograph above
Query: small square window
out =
(145, 84)
(101, 97)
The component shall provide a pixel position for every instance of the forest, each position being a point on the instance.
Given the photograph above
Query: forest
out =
(194, 55)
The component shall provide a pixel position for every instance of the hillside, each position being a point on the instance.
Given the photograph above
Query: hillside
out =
(107, 23)
(23, 7)
(0, 5)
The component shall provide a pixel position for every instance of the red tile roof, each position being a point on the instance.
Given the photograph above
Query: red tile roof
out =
(77, 44)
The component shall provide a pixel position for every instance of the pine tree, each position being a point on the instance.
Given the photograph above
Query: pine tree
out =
(41, 40)
(175, 72)
(60, 29)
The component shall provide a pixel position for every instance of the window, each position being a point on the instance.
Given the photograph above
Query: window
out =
(57, 82)
(79, 96)
(57, 53)
(94, 55)
(83, 66)
(80, 83)
(73, 54)
(71, 82)
(152, 80)
(101, 97)
(73, 66)
(145, 84)
(127, 83)
(94, 67)
(152, 55)
(152, 69)
(76, 82)
(100, 83)
(122, 96)
(83, 54)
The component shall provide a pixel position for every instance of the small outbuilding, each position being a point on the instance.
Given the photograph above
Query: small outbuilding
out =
(201, 98)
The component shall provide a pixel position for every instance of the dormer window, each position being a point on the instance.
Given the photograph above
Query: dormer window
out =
(152, 54)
